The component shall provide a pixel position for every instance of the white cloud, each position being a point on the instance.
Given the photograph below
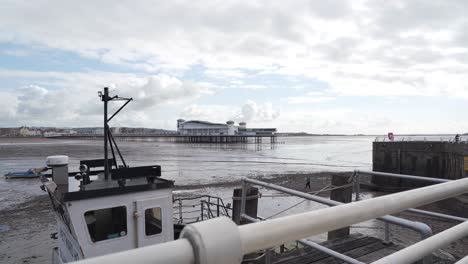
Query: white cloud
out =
(309, 99)
(358, 47)
(164, 89)
(312, 97)
(75, 102)
(224, 73)
(251, 111)
(211, 113)
(9, 107)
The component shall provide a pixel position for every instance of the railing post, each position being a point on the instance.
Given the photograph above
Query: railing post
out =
(201, 209)
(387, 239)
(267, 256)
(181, 220)
(427, 259)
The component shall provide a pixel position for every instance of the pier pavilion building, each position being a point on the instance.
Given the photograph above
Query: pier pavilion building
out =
(204, 128)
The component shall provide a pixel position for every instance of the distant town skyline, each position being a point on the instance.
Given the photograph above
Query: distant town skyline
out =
(322, 67)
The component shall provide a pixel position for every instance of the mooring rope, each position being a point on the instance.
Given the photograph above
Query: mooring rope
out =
(289, 208)
(332, 187)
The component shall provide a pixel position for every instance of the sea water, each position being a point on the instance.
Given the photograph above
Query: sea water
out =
(189, 164)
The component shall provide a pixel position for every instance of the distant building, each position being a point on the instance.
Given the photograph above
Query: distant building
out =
(99, 131)
(9, 132)
(116, 130)
(29, 132)
(24, 131)
(204, 128)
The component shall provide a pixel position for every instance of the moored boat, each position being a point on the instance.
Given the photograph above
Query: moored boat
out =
(113, 208)
(31, 173)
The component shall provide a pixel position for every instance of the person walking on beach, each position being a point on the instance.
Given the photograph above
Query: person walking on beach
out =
(308, 182)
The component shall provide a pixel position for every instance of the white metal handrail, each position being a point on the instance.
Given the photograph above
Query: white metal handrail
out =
(419, 227)
(277, 231)
(417, 251)
(316, 246)
(174, 252)
(424, 230)
(463, 261)
(220, 240)
(403, 176)
(411, 177)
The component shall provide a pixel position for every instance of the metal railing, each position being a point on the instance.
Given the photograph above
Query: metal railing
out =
(311, 244)
(463, 261)
(424, 230)
(404, 176)
(356, 178)
(202, 243)
(414, 252)
(432, 138)
(203, 207)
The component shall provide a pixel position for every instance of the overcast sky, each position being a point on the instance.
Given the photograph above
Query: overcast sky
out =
(316, 66)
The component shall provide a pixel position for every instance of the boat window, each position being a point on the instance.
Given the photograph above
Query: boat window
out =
(153, 221)
(108, 223)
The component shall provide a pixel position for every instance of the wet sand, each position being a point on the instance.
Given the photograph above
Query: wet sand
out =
(27, 238)
(25, 228)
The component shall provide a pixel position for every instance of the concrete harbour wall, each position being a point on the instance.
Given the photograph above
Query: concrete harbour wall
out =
(422, 158)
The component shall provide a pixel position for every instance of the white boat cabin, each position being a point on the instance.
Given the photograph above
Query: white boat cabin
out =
(100, 216)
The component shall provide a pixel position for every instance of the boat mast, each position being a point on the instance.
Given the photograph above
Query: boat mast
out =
(105, 99)
(108, 138)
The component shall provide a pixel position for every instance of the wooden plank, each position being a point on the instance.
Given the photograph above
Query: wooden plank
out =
(308, 255)
(373, 256)
(356, 253)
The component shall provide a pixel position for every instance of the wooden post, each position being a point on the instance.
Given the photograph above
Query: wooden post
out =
(251, 204)
(343, 195)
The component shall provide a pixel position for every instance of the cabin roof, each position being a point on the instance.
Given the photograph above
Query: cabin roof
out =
(108, 188)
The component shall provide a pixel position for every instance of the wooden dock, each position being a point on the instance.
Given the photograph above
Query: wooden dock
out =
(363, 248)
(366, 249)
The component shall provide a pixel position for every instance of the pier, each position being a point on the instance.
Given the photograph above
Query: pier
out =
(213, 139)
(226, 139)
